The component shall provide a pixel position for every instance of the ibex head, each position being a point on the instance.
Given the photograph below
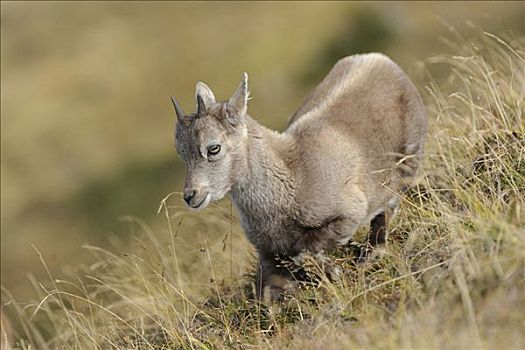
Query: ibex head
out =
(211, 141)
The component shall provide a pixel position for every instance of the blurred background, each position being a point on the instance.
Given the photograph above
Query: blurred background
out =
(86, 121)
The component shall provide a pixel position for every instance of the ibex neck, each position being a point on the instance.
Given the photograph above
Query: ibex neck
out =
(269, 178)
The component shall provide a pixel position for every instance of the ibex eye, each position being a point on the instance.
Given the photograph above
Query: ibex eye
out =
(214, 150)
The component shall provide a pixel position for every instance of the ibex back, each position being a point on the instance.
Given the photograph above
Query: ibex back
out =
(341, 163)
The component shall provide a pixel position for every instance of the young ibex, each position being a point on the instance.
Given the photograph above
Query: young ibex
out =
(340, 164)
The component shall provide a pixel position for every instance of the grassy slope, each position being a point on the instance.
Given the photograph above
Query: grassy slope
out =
(452, 275)
(85, 114)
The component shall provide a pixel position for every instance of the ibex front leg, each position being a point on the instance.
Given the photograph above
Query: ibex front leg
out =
(273, 277)
(327, 237)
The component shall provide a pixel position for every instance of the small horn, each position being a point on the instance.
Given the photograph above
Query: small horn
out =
(178, 109)
(201, 108)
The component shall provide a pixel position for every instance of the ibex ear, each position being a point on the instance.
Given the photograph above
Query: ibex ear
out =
(178, 109)
(207, 97)
(239, 100)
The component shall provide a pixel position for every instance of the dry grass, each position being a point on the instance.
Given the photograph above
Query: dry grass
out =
(452, 276)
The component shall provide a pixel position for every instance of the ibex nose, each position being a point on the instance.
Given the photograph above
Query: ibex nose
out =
(188, 195)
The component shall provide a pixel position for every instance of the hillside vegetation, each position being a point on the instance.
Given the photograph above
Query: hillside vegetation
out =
(452, 275)
(86, 122)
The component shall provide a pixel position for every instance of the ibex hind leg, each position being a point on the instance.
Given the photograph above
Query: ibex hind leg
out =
(378, 230)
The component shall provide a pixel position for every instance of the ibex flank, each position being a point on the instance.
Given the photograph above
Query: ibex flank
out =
(347, 153)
